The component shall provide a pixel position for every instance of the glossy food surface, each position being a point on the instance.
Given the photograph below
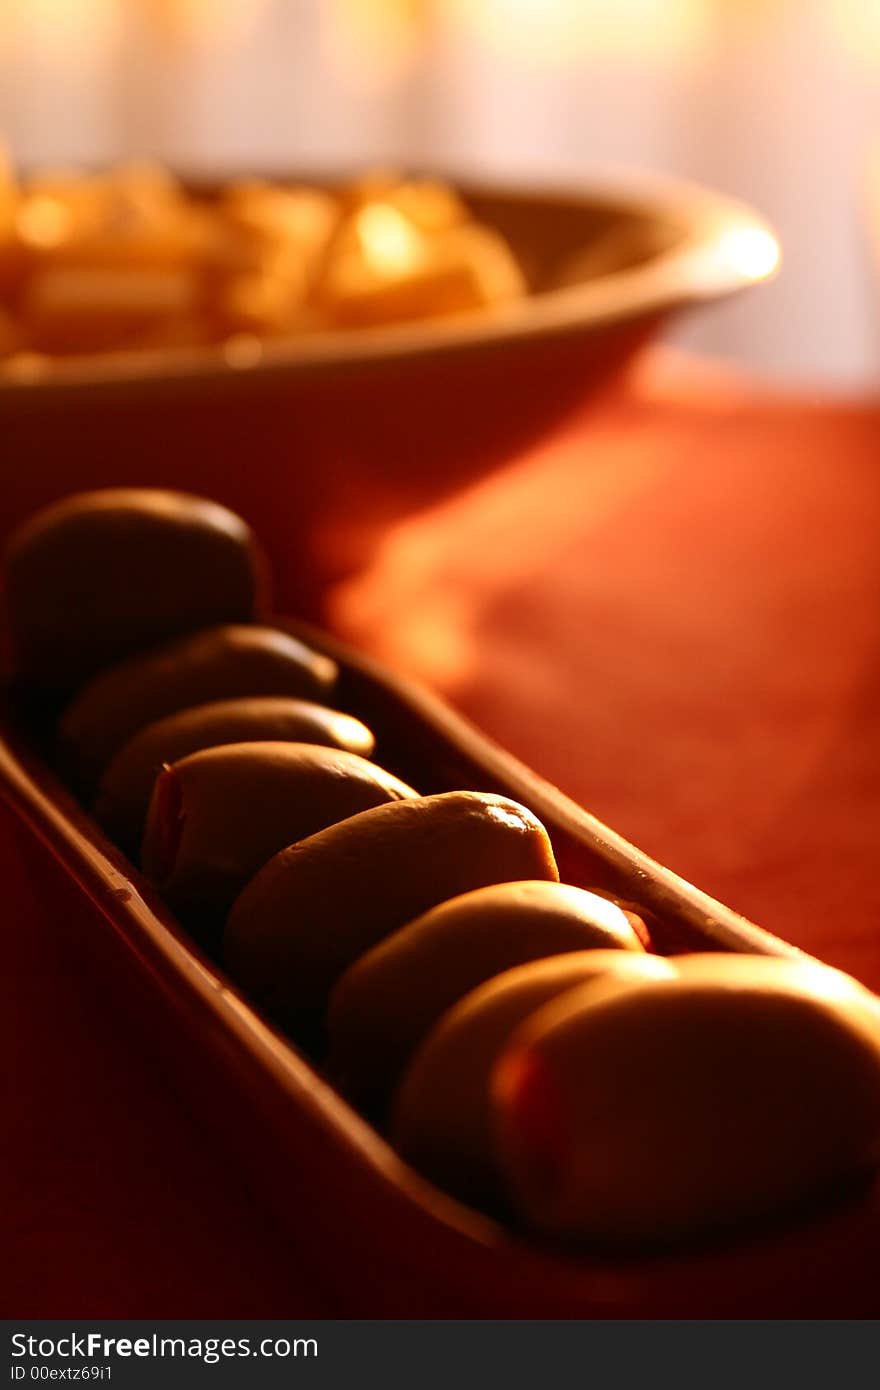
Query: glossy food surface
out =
(216, 663)
(440, 1119)
(219, 815)
(100, 575)
(127, 784)
(388, 999)
(318, 905)
(675, 1109)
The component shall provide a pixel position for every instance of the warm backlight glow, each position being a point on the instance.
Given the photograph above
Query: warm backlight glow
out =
(575, 31)
(44, 222)
(751, 251)
(61, 31)
(390, 244)
(216, 23)
(376, 42)
(856, 25)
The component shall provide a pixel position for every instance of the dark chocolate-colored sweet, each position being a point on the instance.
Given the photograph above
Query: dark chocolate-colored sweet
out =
(219, 815)
(98, 576)
(388, 1000)
(127, 784)
(317, 906)
(216, 664)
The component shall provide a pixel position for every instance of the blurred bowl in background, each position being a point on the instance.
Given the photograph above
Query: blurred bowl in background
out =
(323, 441)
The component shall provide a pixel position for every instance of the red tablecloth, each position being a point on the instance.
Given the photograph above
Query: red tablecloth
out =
(672, 609)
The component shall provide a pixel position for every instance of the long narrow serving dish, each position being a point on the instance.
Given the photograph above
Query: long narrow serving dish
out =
(385, 1241)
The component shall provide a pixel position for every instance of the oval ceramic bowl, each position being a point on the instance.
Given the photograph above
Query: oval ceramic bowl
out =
(302, 436)
(383, 1240)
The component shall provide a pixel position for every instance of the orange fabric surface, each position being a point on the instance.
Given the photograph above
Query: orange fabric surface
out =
(672, 610)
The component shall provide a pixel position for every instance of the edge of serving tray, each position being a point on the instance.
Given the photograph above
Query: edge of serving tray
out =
(425, 1254)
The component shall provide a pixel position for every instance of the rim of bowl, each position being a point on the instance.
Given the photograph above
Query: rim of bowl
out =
(723, 246)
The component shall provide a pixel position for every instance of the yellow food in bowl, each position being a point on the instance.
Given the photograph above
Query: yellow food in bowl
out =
(130, 259)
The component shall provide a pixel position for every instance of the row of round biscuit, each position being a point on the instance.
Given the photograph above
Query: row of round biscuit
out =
(516, 1036)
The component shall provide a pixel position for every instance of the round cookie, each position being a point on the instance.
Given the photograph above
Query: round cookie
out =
(217, 663)
(668, 1110)
(219, 815)
(440, 1117)
(127, 784)
(388, 1000)
(98, 576)
(317, 906)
